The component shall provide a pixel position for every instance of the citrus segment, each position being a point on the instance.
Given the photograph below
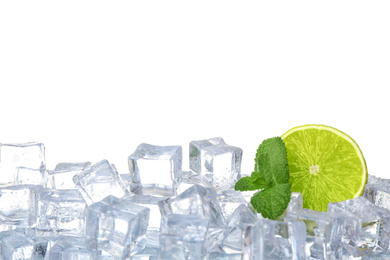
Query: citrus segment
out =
(325, 165)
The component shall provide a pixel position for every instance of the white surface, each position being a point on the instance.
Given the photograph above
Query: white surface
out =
(93, 79)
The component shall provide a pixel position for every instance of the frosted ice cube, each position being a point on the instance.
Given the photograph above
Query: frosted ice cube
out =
(62, 176)
(17, 244)
(229, 200)
(218, 163)
(324, 232)
(155, 167)
(116, 226)
(368, 226)
(217, 255)
(271, 239)
(151, 202)
(98, 182)
(183, 237)
(148, 253)
(22, 164)
(238, 221)
(197, 200)
(60, 212)
(72, 248)
(17, 205)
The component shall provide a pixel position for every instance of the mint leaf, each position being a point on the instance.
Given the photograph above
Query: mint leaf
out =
(272, 202)
(247, 183)
(271, 174)
(271, 161)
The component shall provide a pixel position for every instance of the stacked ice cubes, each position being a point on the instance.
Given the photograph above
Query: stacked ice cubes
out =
(159, 211)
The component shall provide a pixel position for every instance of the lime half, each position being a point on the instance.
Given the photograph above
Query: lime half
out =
(325, 165)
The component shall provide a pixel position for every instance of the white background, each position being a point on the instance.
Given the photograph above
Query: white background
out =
(93, 79)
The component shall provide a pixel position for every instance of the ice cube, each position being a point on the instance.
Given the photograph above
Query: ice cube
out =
(218, 163)
(155, 167)
(18, 244)
(324, 232)
(68, 248)
(17, 205)
(238, 221)
(271, 239)
(183, 237)
(197, 200)
(378, 193)
(229, 200)
(98, 182)
(217, 255)
(368, 226)
(188, 179)
(60, 212)
(151, 202)
(148, 253)
(62, 176)
(22, 164)
(116, 226)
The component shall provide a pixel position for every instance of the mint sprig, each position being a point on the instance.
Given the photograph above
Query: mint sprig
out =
(270, 177)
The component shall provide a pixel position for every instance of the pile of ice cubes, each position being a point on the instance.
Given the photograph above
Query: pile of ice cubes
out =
(158, 211)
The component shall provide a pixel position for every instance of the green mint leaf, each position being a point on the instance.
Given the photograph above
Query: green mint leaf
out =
(272, 202)
(271, 165)
(247, 183)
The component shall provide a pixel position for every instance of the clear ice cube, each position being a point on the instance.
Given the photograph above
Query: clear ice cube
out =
(183, 237)
(218, 163)
(368, 226)
(22, 164)
(378, 193)
(116, 226)
(68, 248)
(151, 202)
(197, 200)
(62, 176)
(229, 200)
(155, 168)
(238, 221)
(98, 182)
(188, 179)
(324, 232)
(18, 244)
(271, 239)
(60, 212)
(17, 205)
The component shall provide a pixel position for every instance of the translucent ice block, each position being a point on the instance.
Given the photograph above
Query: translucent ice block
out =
(188, 179)
(378, 193)
(98, 182)
(197, 200)
(116, 226)
(72, 249)
(17, 244)
(270, 239)
(217, 162)
(324, 232)
(238, 221)
(60, 212)
(17, 205)
(22, 164)
(151, 202)
(229, 200)
(155, 167)
(367, 228)
(62, 176)
(183, 237)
